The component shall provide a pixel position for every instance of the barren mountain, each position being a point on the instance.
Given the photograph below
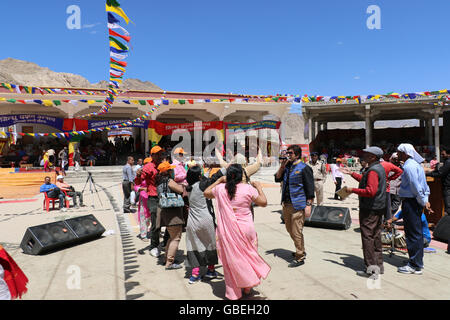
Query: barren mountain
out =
(30, 74)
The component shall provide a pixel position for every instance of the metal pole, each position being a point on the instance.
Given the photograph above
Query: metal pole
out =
(368, 126)
(436, 134)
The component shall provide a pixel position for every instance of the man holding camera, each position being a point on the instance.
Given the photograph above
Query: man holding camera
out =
(296, 198)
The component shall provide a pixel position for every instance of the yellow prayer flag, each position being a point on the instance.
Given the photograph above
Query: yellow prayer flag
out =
(134, 101)
(91, 101)
(115, 45)
(118, 11)
(118, 67)
(175, 101)
(47, 103)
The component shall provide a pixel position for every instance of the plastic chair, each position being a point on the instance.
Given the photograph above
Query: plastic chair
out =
(47, 202)
(68, 201)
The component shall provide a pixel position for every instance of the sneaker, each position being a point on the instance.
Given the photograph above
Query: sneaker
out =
(211, 274)
(408, 269)
(155, 252)
(174, 266)
(193, 279)
(362, 273)
(296, 263)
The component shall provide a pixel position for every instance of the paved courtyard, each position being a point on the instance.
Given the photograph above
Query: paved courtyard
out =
(111, 268)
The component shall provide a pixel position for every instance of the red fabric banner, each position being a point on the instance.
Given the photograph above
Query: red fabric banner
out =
(166, 129)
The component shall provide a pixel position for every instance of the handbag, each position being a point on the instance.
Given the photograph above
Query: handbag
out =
(169, 199)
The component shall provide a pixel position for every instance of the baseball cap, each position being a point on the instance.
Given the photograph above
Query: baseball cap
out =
(59, 177)
(165, 166)
(147, 160)
(155, 149)
(314, 154)
(375, 151)
(179, 150)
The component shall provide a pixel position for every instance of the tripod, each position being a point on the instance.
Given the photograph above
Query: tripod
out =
(92, 183)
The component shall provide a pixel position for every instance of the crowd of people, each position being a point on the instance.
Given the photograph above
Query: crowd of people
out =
(177, 194)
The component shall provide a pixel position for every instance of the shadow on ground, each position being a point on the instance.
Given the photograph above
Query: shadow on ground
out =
(356, 263)
(281, 253)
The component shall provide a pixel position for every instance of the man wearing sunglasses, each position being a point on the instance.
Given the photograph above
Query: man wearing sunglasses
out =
(296, 198)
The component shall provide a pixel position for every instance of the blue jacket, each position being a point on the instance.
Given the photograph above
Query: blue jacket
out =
(47, 187)
(301, 184)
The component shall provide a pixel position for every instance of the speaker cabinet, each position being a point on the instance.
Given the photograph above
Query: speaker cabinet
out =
(53, 236)
(329, 217)
(442, 230)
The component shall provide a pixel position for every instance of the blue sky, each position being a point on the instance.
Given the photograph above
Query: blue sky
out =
(320, 47)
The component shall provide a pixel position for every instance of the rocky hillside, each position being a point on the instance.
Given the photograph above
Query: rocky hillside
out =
(30, 74)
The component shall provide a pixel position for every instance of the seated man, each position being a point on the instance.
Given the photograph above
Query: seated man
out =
(425, 230)
(54, 192)
(70, 191)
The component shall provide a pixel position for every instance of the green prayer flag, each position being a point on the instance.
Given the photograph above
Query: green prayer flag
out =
(182, 101)
(57, 102)
(142, 102)
(12, 100)
(112, 3)
(120, 44)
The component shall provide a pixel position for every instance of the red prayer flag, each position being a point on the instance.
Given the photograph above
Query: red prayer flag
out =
(150, 102)
(191, 101)
(113, 33)
(122, 63)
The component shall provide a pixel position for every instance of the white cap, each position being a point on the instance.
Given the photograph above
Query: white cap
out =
(59, 177)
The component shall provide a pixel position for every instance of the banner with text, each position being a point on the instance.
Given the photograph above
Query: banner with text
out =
(12, 119)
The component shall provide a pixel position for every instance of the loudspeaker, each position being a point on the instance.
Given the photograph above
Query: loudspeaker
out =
(446, 133)
(442, 230)
(329, 217)
(53, 236)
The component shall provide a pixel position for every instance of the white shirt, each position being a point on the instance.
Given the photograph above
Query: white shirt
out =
(4, 290)
(336, 173)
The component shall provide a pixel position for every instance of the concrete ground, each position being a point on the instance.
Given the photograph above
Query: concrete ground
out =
(111, 268)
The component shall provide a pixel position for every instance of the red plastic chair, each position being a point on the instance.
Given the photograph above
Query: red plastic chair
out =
(68, 201)
(47, 202)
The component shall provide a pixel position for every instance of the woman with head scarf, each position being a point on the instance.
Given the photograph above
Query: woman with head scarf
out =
(236, 238)
(414, 192)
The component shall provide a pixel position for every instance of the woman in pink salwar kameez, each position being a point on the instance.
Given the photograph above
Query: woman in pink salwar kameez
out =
(237, 242)
(143, 213)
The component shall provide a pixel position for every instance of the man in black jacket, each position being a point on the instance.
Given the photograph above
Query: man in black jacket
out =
(443, 173)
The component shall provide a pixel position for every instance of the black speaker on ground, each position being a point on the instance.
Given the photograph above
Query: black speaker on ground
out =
(329, 217)
(446, 133)
(442, 230)
(53, 236)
